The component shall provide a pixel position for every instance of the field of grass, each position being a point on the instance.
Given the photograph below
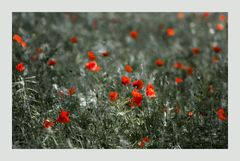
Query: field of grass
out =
(120, 80)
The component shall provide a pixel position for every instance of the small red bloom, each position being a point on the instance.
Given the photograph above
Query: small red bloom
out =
(216, 49)
(215, 59)
(128, 68)
(52, 62)
(105, 53)
(190, 113)
(222, 18)
(19, 40)
(219, 27)
(178, 80)
(221, 114)
(92, 66)
(143, 141)
(138, 83)
(195, 51)
(206, 14)
(179, 65)
(189, 70)
(159, 62)
(150, 91)
(170, 32)
(113, 96)
(47, 124)
(137, 98)
(126, 80)
(63, 117)
(39, 50)
(73, 40)
(71, 91)
(91, 55)
(134, 34)
(20, 67)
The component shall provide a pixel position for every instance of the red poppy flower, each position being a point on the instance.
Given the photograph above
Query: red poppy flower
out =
(143, 141)
(180, 15)
(179, 65)
(20, 67)
(128, 68)
(159, 62)
(190, 113)
(126, 80)
(195, 51)
(92, 66)
(138, 83)
(219, 27)
(47, 124)
(215, 59)
(19, 40)
(105, 53)
(206, 14)
(63, 117)
(221, 114)
(170, 32)
(178, 80)
(177, 109)
(189, 70)
(113, 96)
(137, 98)
(52, 62)
(91, 55)
(71, 91)
(150, 91)
(134, 34)
(216, 49)
(73, 40)
(222, 18)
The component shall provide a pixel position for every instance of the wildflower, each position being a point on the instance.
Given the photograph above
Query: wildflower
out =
(170, 32)
(113, 96)
(105, 53)
(190, 113)
(128, 68)
(73, 40)
(143, 141)
(189, 70)
(19, 40)
(39, 50)
(126, 80)
(215, 59)
(47, 123)
(63, 117)
(219, 27)
(150, 91)
(177, 109)
(179, 65)
(52, 62)
(20, 67)
(222, 18)
(138, 83)
(206, 14)
(180, 15)
(92, 66)
(137, 98)
(159, 62)
(134, 34)
(178, 80)
(216, 49)
(91, 55)
(221, 114)
(195, 51)
(71, 91)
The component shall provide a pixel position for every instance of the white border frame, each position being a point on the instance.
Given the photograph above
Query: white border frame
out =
(118, 6)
